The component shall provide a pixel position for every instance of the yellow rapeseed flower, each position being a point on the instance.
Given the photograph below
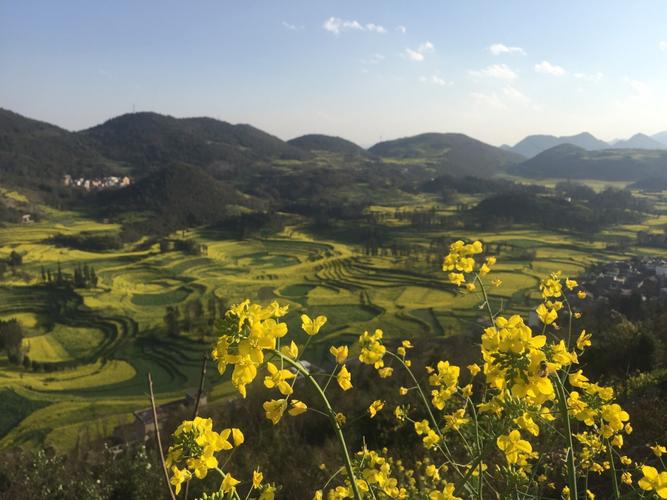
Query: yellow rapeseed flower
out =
(298, 407)
(339, 353)
(344, 378)
(375, 407)
(653, 481)
(312, 326)
(274, 409)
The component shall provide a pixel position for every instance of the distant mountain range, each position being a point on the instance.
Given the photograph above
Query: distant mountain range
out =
(567, 161)
(533, 145)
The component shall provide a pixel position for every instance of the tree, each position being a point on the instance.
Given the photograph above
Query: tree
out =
(15, 259)
(171, 321)
(11, 339)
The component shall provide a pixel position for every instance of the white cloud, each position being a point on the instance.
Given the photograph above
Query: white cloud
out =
(375, 28)
(663, 45)
(291, 26)
(401, 29)
(589, 77)
(425, 47)
(488, 100)
(547, 68)
(508, 98)
(419, 54)
(498, 48)
(336, 25)
(413, 55)
(373, 59)
(499, 71)
(436, 80)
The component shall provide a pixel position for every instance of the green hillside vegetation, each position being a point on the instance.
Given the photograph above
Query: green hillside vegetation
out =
(149, 141)
(454, 154)
(37, 154)
(327, 143)
(572, 162)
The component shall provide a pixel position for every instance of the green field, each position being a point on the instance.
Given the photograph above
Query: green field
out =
(95, 347)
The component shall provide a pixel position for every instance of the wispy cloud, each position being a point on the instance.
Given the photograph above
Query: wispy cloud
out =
(435, 80)
(291, 26)
(401, 29)
(589, 77)
(662, 45)
(499, 71)
(498, 48)
(545, 67)
(373, 59)
(508, 97)
(336, 25)
(420, 53)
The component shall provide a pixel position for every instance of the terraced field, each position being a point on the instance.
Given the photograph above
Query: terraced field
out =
(93, 348)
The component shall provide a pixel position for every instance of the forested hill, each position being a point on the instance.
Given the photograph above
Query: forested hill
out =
(453, 154)
(571, 162)
(327, 143)
(150, 141)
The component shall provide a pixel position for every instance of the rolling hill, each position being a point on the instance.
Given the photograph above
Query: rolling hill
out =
(535, 144)
(639, 141)
(327, 143)
(453, 154)
(34, 153)
(571, 162)
(149, 141)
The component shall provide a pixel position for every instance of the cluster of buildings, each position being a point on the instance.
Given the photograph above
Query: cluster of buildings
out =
(644, 275)
(110, 182)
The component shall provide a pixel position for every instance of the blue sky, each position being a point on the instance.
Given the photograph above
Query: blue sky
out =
(365, 70)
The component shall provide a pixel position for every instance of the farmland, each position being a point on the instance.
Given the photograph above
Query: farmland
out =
(92, 348)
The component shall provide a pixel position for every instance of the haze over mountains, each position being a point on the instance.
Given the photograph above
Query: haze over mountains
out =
(533, 145)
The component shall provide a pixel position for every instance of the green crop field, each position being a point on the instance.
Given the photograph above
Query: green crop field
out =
(93, 348)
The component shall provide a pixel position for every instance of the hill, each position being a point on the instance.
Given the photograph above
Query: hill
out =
(149, 141)
(35, 153)
(328, 143)
(536, 144)
(571, 162)
(661, 137)
(639, 141)
(173, 197)
(454, 154)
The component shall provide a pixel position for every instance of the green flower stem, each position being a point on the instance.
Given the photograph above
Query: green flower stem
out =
(446, 451)
(571, 469)
(486, 299)
(617, 494)
(332, 417)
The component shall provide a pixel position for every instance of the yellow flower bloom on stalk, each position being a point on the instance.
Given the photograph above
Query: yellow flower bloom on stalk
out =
(546, 315)
(551, 286)
(298, 407)
(456, 420)
(278, 379)
(484, 270)
(375, 407)
(228, 484)
(626, 478)
(584, 340)
(658, 450)
(344, 378)
(312, 326)
(474, 369)
(339, 353)
(274, 409)
(571, 284)
(516, 450)
(178, 477)
(386, 372)
(372, 350)
(526, 423)
(257, 478)
(581, 294)
(497, 283)
(653, 481)
(447, 493)
(457, 279)
(291, 351)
